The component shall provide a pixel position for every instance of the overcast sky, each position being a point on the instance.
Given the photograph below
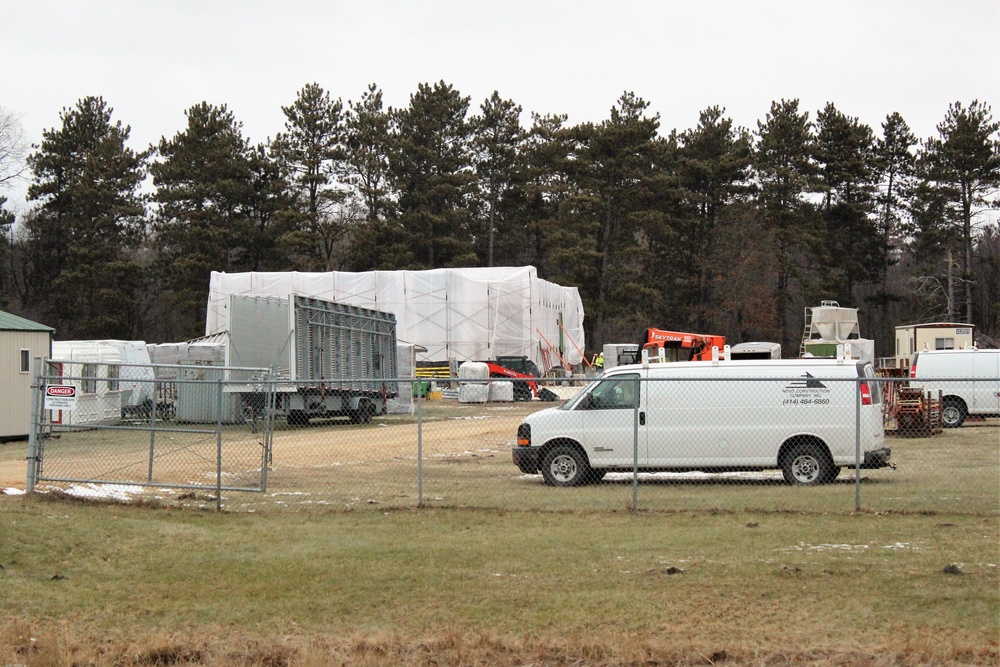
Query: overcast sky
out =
(152, 60)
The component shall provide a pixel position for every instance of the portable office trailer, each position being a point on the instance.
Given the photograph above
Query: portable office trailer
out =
(131, 373)
(617, 354)
(913, 338)
(21, 341)
(755, 351)
(93, 367)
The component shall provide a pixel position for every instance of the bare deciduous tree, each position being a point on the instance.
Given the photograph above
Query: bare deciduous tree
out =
(12, 149)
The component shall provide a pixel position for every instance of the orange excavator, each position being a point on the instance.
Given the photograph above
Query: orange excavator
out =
(679, 345)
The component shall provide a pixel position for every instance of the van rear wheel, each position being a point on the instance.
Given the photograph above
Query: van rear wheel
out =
(952, 413)
(565, 466)
(807, 464)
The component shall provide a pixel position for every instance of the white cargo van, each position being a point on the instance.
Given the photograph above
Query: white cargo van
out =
(969, 382)
(797, 415)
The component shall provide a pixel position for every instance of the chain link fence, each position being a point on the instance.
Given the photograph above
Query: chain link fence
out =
(646, 445)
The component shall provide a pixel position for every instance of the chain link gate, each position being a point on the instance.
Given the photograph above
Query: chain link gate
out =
(199, 428)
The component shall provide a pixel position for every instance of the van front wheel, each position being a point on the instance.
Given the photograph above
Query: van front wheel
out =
(564, 466)
(807, 464)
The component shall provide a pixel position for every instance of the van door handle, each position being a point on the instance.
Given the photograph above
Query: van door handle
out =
(642, 418)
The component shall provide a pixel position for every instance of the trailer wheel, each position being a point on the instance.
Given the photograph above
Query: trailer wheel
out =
(565, 465)
(807, 464)
(297, 418)
(364, 413)
(953, 412)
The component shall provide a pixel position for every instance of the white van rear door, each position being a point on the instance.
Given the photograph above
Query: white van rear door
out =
(986, 389)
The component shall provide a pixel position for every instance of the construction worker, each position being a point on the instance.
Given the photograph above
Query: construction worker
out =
(599, 362)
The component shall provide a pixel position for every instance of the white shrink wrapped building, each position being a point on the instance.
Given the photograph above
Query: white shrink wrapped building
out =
(456, 314)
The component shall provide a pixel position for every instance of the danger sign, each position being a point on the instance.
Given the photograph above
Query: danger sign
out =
(60, 397)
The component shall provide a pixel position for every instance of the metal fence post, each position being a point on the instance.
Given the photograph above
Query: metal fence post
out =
(218, 449)
(635, 447)
(857, 443)
(36, 402)
(152, 425)
(267, 440)
(420, 445)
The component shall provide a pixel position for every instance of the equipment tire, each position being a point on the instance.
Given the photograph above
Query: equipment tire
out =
(522, 392)
(565, 465)
(953, 412)
(807, 464)
(365, 411)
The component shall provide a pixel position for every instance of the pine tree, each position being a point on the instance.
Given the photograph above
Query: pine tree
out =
(311, 151)
(205, 188)
(379, 241)
(713, 168)
(84, 277)
(617, 161)
(961, 168)
(846, 177)
(496, 145)
(784, 172)
(432, 170)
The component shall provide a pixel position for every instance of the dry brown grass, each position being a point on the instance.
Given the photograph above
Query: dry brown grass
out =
(57, 646)
(86, 583)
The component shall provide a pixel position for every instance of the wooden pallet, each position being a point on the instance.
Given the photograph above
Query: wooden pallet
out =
(916, 413)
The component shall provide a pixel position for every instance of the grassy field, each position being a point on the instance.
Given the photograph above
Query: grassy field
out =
(87, 583)
(336, 564)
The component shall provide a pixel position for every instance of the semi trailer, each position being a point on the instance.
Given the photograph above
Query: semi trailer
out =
(328, 360)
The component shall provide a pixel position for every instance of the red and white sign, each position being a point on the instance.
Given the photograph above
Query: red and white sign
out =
(60, 397)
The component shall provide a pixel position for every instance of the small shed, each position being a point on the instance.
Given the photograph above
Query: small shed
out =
(911, 338)
(21, 341)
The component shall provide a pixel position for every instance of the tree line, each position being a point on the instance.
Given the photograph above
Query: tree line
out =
(714, 229)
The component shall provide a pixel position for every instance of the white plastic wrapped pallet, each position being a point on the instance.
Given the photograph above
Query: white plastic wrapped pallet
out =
(501, 391)
(469, 392)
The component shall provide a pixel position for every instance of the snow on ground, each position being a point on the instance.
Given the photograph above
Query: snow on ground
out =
(122, 492)
(13, 492)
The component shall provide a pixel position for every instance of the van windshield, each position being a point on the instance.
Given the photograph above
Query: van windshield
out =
(617, 392)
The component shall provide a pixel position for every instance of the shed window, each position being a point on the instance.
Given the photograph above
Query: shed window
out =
(944, 343)
(25, 360)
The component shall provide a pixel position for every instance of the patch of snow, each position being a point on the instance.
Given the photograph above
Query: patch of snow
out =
(767, 474)
(13, 492)
(121, 492)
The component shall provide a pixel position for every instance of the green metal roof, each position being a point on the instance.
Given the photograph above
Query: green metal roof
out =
(10, 322)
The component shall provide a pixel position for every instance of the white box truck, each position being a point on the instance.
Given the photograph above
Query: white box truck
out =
(797, 415)
(968, 382)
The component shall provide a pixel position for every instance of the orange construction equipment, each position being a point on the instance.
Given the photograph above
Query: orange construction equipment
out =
(681, 346)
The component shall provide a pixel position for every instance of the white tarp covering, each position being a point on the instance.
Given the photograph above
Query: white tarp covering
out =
(460, 314)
